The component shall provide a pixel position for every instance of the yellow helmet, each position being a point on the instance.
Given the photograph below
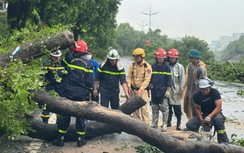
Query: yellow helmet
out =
(139, 51)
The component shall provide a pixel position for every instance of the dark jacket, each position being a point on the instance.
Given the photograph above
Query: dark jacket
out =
(77, 83)
(109, 77)
(53, 74)
(160, 80)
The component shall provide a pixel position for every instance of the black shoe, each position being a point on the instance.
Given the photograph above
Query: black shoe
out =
(178, 128)
(81, 142)
(58, 142)
(169, 125)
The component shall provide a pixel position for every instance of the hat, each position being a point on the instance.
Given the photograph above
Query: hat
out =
(194, 53)
(56, 53)
(204, 83)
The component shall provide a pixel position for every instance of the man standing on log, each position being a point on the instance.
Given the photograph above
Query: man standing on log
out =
(178, 78)
(51, 78)
(138, 79)
(194, 72)
(75, 86)
(161, 83)
(109, 75)
(208, 106)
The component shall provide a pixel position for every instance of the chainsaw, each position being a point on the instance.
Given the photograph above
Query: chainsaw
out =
(206, 131)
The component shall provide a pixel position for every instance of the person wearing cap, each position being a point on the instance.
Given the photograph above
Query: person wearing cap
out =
(75, 85)
(208, 106)
(52, 77)
(95, 68)
(110, 74)
(195, 70)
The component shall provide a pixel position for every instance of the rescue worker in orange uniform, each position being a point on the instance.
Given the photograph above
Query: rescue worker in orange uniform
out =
(138, 79)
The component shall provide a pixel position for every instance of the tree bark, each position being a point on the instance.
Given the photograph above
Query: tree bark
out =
(130, 125)
(93, 128)
(34, 49)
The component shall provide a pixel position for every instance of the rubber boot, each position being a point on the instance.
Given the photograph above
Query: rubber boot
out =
(59, 141)
(45, 120)
(169, 120)
(222, 138)
(155, 114)
(81, 141)
(178, 123)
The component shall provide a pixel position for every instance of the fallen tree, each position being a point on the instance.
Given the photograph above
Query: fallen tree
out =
(93, 111)
(34, 49)
(93, 129)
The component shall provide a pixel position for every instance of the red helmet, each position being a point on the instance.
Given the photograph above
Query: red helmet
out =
(160, 53)
(173, 53)
(80, 46)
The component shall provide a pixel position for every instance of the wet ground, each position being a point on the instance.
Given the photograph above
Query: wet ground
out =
(233, 109)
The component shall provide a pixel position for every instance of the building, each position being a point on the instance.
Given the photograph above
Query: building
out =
(3, 5)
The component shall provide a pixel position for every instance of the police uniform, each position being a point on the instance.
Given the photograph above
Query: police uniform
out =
(75, 86)
(138, 78)
(109, 76)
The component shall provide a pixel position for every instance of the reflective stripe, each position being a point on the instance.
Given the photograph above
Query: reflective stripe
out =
(157, 72)
(52, 68)
(45, 116)
(221, 131)
(81, 133)
(78, 67)
(110, 72)
(62, 131)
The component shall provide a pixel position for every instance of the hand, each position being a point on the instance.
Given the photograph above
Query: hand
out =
(95, 92)
(207, 120)
(182, 92)
(139, 93)
(167, 94)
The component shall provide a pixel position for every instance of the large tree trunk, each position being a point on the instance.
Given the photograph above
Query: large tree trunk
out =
(93, 129)
(34, 49)
(130, 125)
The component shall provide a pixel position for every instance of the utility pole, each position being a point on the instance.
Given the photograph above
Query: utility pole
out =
(150, 14)
(142, 25)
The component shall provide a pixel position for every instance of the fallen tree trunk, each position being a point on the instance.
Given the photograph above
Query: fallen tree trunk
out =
(130, 125)
(94, 129)
(35, 48)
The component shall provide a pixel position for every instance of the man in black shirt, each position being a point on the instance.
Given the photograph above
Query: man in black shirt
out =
(208, 106)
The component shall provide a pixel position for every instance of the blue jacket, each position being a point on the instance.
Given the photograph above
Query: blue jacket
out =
(109, 77)
(77, 83)
(53, 71)
(95, 67)
(161, 79)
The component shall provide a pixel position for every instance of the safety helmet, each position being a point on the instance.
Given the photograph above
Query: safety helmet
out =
(160, 53)
(173, 53)
(113, 54)
(80, 46)
(139, 51)
(57, 53)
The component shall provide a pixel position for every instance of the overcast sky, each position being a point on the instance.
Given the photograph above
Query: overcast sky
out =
(204, 19)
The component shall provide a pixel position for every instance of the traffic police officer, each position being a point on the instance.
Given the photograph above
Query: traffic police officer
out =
(138, 79)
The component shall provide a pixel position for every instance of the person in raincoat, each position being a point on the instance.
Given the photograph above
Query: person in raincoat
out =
(195, 70)
(178, 78)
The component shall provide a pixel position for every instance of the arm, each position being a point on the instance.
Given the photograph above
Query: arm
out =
(198, 111)
(218, 108)
(125, 88)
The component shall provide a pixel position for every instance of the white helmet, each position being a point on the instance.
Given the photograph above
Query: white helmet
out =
(113, 54)
(57, 53)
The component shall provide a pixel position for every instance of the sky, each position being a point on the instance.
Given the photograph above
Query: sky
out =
(204, 19)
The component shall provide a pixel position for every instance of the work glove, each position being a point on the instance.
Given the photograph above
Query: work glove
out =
(167, 94)
(207, 121)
